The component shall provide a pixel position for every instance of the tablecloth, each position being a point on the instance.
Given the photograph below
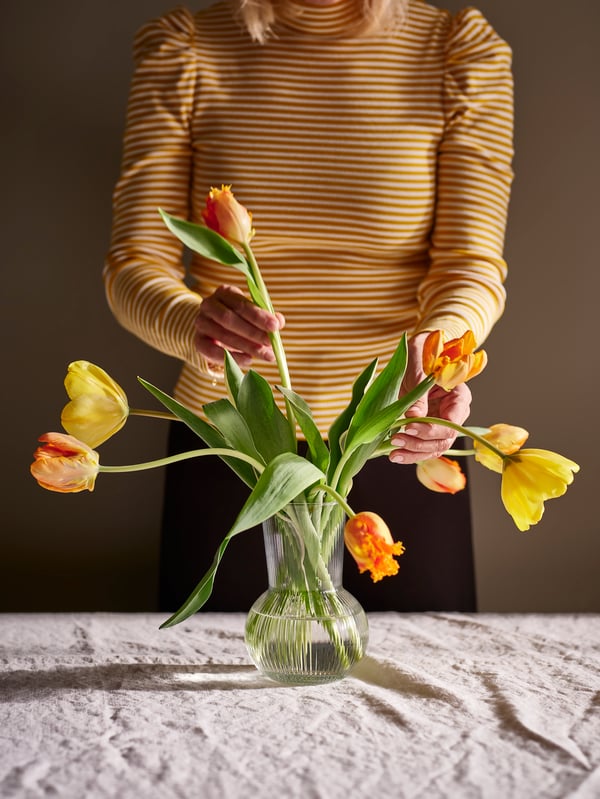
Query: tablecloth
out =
(99, 705)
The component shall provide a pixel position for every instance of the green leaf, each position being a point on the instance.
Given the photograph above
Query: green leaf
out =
(382, 391)
(232, 426)
(270, 429)
(368, 437)
(341, 424)
(283, 480)
(203, 430)
(206, 242)
(317, 447)
(233, 376)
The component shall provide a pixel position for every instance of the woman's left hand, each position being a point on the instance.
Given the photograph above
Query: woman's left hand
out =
(418, 442)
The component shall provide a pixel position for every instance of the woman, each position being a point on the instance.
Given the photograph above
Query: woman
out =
(373, 145)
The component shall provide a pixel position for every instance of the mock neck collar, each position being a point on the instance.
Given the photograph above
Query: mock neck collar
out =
(336, 20)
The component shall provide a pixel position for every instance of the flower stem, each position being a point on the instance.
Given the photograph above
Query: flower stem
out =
(337, 497)
(446, 423)
(275, 336)
(154, 414)
(196, 453)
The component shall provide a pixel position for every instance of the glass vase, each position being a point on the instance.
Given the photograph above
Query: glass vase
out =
(306, 628)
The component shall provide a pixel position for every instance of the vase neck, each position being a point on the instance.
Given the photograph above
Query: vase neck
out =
(305, 548)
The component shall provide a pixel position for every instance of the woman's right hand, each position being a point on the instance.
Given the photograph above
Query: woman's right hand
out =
(227, 320)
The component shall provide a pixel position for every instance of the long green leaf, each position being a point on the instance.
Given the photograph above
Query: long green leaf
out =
(283, 480)
(270, 429)
(341, 424)
(233, 376)
(232, 426)
(203, 430)
(379, 424)
(382, 391)
(371, 434)
(206, 242)
(317, 447)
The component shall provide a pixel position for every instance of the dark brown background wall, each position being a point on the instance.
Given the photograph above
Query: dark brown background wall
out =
(66, 68)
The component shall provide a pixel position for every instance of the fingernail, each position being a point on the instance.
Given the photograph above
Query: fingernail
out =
(399, 443)
(397, 457)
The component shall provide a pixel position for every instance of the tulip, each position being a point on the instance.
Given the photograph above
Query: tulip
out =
(98, 407)
(371, 545)
(442, 475)
(530, 477)
(505, 437)
(226, 216)
(64, 464)
(452, 362)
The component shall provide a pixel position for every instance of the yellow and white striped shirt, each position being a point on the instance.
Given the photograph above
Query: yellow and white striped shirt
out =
(377, 169)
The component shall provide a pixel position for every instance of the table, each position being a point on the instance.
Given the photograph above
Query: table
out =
(444, 705)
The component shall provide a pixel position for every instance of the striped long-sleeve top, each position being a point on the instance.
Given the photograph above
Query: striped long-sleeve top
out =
(377, 169)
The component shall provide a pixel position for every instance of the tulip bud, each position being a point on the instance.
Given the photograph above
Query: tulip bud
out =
(98, 408)
(226, 216)
(371, 545)
(442, 475)
(64, 464)
(505, 437)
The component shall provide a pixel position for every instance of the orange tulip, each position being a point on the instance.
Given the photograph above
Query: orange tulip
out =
(64, 464)
(442, 475)
(452, 362)
(371, 545)
(505, 437)
(226, 216)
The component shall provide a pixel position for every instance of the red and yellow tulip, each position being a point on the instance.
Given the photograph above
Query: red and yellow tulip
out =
(370, 543)
(98, 408)
(64, 464)
(452, 362)
(443, 475)
(226, 216)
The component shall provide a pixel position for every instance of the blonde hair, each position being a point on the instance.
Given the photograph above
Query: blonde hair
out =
(258, 16)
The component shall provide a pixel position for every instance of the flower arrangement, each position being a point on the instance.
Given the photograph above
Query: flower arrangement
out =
(258, 439)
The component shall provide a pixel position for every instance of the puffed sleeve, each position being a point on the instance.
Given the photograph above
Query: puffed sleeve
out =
(143, 274)
(463, 288)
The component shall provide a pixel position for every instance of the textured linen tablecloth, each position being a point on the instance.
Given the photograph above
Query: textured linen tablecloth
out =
(443, 705)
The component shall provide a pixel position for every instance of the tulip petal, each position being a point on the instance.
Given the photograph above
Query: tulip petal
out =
(531, 477)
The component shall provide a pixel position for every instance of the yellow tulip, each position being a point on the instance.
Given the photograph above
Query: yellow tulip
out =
(452, 362)
(530, 477)
(442, 475)
(64, 464)
(98, 407)
(371, 545)
(226, 216)
(505, 437)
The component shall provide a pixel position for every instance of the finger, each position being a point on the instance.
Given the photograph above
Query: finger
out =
(231, 297)
(229, 338)
(213, 351)
(415, 450)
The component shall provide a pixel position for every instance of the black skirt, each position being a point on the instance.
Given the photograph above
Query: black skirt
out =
(203, 497)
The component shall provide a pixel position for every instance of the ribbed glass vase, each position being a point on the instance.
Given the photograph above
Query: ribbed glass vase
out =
(306, 628)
